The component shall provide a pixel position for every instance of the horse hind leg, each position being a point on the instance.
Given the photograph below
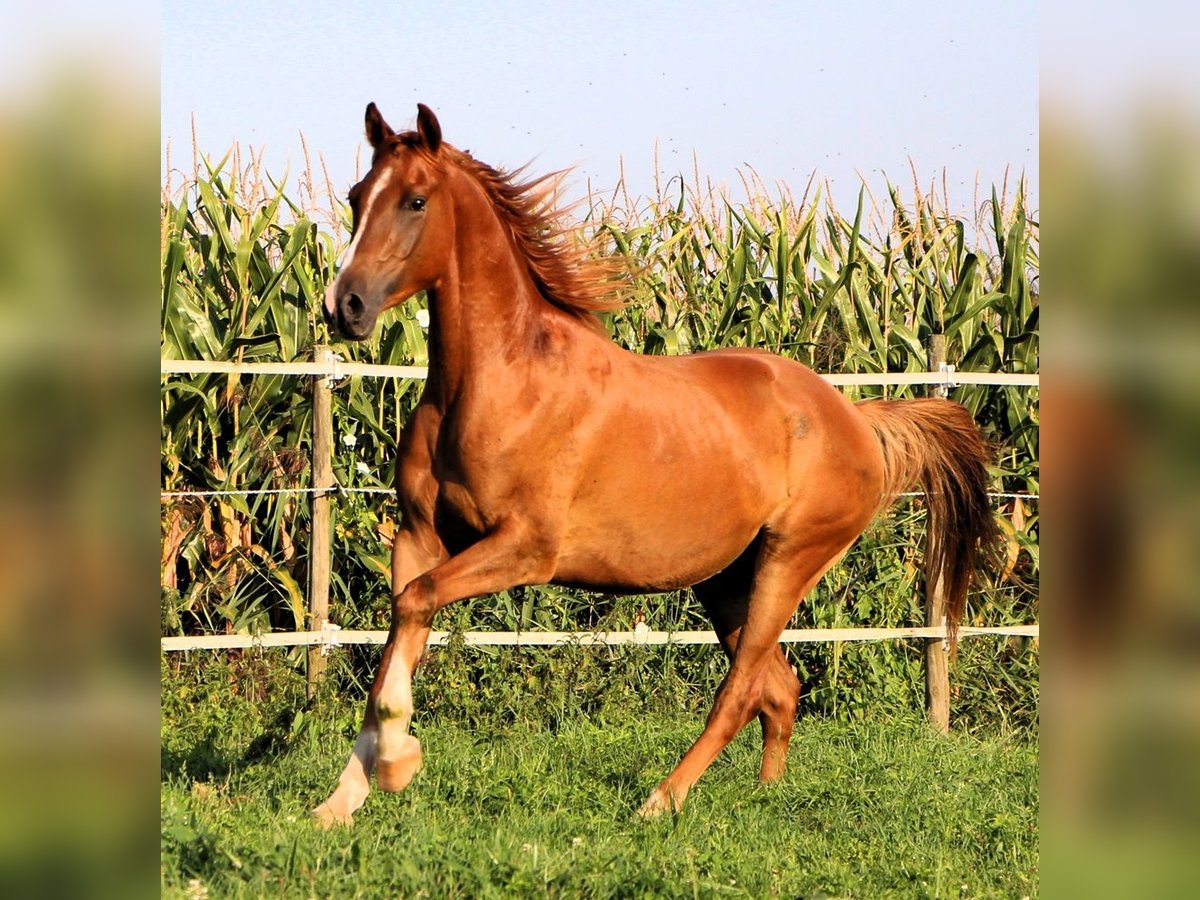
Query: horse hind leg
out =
(780, 700)
(785, 572)
(776, 694)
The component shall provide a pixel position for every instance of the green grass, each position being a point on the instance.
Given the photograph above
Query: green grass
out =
(879, 807)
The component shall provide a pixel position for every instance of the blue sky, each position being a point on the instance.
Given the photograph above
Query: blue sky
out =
(787, 89)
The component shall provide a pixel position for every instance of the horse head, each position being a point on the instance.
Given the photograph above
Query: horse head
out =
(402, 225)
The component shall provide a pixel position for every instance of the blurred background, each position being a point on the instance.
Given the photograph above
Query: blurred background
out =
(78, 680)
(1121, 202)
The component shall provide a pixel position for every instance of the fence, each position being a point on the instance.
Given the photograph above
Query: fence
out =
(327, 368)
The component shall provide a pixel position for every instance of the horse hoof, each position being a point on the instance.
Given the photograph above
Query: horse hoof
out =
(395, 774)
(327, 817)
(659, 802)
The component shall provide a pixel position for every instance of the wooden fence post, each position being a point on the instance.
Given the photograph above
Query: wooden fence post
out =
(320, 554)
(937, 672)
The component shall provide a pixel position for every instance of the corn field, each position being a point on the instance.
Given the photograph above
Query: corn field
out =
(244, 268)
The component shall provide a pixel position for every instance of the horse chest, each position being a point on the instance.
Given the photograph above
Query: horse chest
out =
(482, 481)
(468, 500)
(458, 509)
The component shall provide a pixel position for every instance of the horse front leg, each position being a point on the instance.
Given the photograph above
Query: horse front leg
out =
(510, 555)
(398, 752)
(383, 742)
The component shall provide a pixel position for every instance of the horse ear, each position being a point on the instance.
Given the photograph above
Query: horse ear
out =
(378, 130)
(428, 127)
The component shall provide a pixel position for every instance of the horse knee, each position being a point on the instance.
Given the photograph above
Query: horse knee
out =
(734, 706)
(792, 685)
(781, 697)
(416, 603)
(781, 693)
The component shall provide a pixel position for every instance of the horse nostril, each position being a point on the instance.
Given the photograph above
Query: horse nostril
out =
(353, 305)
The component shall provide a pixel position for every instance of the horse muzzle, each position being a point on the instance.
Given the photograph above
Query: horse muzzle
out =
(350, 316)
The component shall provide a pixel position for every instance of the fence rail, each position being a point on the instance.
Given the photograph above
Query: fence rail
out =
(337, 368)
(333, 636)
(327, 367)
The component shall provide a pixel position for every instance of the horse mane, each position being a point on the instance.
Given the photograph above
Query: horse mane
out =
(570, 272)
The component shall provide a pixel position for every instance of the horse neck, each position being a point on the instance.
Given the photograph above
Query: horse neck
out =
(485, 306)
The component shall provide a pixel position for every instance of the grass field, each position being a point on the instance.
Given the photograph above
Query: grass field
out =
(875, 808)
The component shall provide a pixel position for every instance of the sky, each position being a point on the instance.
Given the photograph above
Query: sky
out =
(784, 89)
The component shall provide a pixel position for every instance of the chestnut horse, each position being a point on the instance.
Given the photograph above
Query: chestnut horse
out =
(541, 452)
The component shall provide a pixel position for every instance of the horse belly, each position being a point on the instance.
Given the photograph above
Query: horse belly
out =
(649, 537)
(644, 570)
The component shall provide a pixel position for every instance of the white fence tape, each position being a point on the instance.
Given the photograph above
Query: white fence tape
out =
(340, 369)
(336, 489)
(333, 369)
(335, 637)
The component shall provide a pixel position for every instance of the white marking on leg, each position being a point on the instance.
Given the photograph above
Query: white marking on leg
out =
(358, 769)
(399, 752)
(331, 292)
(394, 707)
(354, 783)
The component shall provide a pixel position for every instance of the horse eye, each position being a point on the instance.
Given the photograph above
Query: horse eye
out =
(416, 203)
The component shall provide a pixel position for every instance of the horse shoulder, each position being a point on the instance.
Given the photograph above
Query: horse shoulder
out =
(416, 486)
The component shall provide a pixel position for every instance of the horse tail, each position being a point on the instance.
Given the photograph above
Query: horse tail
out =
(935, 444)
